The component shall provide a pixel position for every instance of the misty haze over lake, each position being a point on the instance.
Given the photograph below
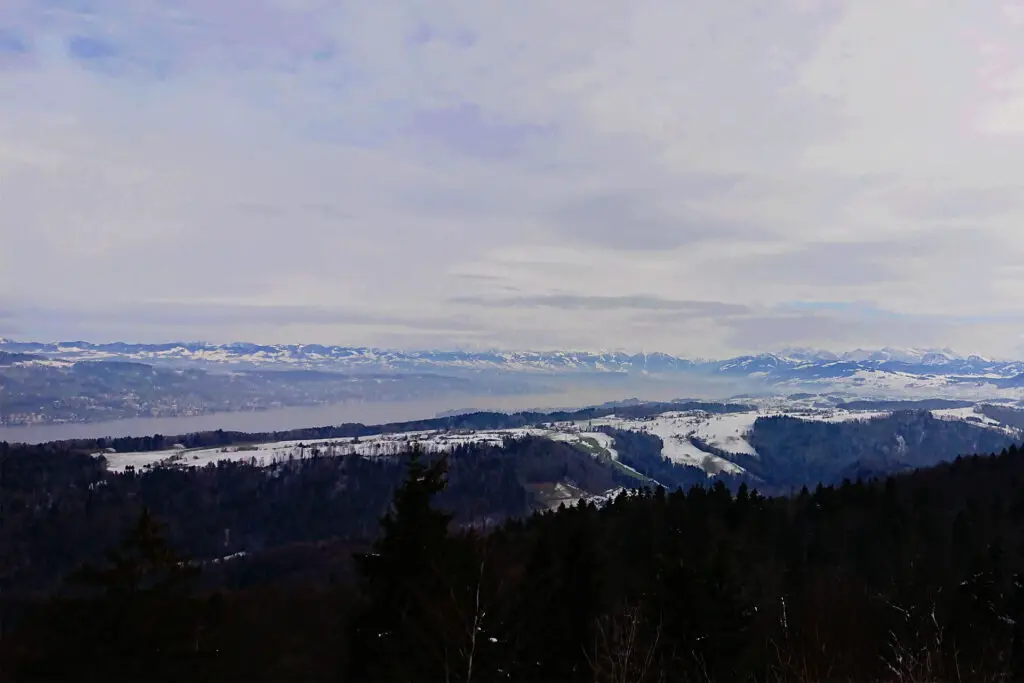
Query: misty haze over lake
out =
(371, 412)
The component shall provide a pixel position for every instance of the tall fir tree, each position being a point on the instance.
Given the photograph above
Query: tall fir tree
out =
(131, 619)
(396, 636)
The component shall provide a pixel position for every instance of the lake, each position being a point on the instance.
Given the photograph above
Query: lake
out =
(310, 416)
(574, 393)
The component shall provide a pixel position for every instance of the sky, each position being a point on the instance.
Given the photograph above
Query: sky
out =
(702, 178)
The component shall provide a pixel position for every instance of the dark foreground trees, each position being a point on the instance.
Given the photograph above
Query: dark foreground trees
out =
(134, 618)
(405, 577)
(915, 578)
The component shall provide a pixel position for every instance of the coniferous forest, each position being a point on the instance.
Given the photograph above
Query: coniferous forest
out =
(429, 568)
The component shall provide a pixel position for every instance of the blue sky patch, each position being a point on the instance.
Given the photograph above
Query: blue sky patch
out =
(12, 43)
(87, 48)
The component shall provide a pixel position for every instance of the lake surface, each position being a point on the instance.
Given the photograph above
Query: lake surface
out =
(313, 416)
(575, 393)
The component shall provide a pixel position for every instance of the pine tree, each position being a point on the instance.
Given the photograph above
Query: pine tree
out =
(131, 619)
(143, 565)
(395, 637)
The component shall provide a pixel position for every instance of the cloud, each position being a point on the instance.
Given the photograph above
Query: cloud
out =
(8, 326)
(171, 313)
(834, 331)
(568, 302)
(509, 174)
(959, 205)
(831, 264)
(624, 222)
(177, 321)
(465, 129)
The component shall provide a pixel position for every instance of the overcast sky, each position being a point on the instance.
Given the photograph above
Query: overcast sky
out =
(700, 177)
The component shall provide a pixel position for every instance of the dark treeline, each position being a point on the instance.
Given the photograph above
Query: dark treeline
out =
(911, 578)
(643, 452)
(469, 421)
(793, 452)
(1008, 416)
(920, 404)
(60, 508)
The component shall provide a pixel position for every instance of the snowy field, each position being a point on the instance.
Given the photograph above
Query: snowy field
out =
(675, 430)
(680, 432)
(377, 445)
(970, 414)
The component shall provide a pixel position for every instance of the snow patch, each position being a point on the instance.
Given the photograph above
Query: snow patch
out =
(838, 415)
(973, 415)
(375, 445)
(675, 430)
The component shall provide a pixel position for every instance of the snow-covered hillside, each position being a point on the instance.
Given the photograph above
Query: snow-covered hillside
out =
(695, 438)
(974, 415)
(681, 432)
(377, 445)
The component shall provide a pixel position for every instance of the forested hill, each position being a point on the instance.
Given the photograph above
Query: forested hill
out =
(62, 508)
(468, 421)
(913, 578)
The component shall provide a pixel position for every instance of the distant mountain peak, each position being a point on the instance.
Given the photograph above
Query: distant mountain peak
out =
(860, 369)
(808, 354)
(880, 355)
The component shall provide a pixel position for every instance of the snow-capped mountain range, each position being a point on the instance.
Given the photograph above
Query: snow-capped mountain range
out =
(81, 381)
(786, 365)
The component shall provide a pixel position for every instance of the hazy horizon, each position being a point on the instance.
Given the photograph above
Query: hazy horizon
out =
(527, 350)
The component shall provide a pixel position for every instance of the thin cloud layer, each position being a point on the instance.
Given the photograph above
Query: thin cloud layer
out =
(608, 303)
(645, 175)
